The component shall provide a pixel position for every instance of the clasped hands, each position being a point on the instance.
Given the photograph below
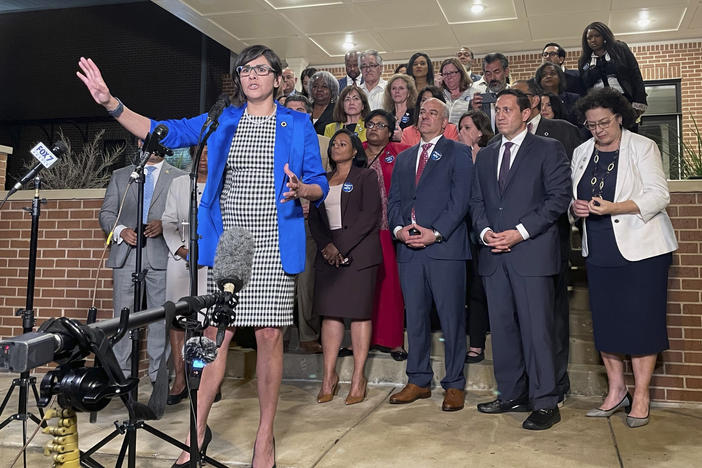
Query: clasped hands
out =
(416, 241)
(502, 242)
(152, 229)
(598, 206)
(332, 255)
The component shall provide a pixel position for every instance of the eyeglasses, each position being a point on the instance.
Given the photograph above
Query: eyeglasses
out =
(259, 70)
(370, 65)
(378, 125)
(550, 54)
(449, 73)
(592, 126)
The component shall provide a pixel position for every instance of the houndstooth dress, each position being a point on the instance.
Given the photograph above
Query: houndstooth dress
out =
(248, 201)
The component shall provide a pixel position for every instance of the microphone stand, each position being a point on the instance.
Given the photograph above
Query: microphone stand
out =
(194, 371)
(25, 380)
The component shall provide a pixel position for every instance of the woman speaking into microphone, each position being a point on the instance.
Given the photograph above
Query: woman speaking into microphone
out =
(262, 160)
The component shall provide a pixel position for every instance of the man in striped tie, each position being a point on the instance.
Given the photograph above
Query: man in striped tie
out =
(427, 206)
(158, 176)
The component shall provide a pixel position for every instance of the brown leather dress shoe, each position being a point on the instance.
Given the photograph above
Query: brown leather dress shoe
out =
(454, 400)
(410, 393)
(310, 347)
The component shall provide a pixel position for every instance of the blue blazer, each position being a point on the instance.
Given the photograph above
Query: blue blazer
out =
(440, 199)
(537, 192)
(296, 144)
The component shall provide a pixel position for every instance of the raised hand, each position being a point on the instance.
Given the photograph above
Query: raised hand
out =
(92, 78)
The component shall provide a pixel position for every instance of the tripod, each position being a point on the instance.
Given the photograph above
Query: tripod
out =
(138, 412)
(25, 381)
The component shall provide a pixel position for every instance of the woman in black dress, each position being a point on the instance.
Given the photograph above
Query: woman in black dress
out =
(620, 191)
(345, 229)
(608, 63)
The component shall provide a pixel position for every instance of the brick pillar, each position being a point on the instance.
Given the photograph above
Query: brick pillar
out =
(5, 151)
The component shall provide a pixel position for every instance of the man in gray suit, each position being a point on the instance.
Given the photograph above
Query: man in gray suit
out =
(122, 259)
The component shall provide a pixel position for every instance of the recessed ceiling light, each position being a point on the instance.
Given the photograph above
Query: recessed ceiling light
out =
(477, 8)
(348, 45)
(643, 22)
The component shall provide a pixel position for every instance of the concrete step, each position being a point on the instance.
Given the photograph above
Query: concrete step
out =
(587, 374)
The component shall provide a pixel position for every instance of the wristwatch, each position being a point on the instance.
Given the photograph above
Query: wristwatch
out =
(438, 238)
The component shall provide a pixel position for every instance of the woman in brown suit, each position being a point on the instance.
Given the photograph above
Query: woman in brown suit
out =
(345, 228)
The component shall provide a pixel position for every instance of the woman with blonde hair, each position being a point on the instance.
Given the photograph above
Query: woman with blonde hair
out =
(399, 99)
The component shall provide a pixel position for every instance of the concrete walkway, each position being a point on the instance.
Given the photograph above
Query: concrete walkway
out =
(377, 434)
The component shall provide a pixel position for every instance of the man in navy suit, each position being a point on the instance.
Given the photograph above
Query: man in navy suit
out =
(569, 136)
(427, 205)
(521, 186)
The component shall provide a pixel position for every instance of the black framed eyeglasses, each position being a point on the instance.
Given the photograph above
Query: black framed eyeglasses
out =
(259, 70)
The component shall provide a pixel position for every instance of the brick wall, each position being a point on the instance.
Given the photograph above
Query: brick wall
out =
(5, 151)
(663, 61)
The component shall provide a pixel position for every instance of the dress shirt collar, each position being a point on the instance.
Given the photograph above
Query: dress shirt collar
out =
(535, 123)
(517, 140)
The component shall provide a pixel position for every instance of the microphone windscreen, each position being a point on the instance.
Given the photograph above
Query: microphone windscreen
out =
(200, 348)
(234, 257)
(59, 148)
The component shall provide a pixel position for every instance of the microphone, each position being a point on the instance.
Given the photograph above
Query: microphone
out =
(152, 144)
(199, 350)
(217, 109)
(46, 157)
(231, 272)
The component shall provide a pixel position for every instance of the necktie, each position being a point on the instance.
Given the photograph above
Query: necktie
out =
(148, 190)
(504, 167)
(424, 157)
(529, 127)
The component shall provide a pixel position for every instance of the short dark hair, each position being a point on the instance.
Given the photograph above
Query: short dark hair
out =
(300, 98)
(435, 91)
(607, 98)
(389, 118)
(248, 54)
(561, 52)
(522, 99)
(307, 72)
(359, 160)
(495, 56)
(430, 66)
(482, 121)
(397, 68)
(562, 81)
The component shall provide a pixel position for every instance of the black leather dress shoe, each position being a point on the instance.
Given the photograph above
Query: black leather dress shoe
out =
(175, 399)
(504, 406)
(542, 419)
(400, 355)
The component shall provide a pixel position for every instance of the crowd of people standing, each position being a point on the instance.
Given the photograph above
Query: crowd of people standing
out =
(442, 192)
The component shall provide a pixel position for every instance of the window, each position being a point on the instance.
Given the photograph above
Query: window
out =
(662, 122)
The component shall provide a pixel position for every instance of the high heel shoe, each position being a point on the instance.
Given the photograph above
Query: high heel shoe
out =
(327, 397)
(254, 454)
(601, 413)
(203, 450)
(634, 422)
(353, 399)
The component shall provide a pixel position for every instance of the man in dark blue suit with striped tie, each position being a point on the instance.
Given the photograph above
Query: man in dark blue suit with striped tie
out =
(427, 206)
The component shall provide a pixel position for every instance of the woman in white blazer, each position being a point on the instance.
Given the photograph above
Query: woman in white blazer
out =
(620, 191)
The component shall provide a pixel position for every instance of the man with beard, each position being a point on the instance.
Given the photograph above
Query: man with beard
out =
(495, 79)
